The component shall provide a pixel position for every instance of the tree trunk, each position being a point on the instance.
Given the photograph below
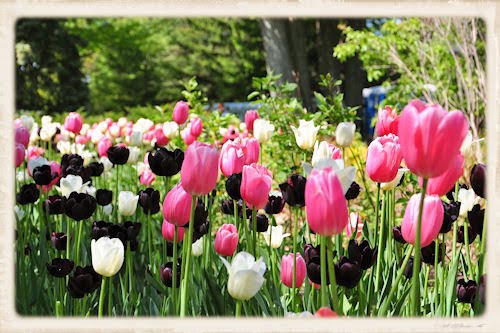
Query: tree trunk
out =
(328, 37)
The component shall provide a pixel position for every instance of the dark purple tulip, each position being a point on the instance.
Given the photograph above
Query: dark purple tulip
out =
(42, 175)
(362, 253)
(103, 197)
(275, 204)
(398, 236)
(353, 191)
(476, 219)
(451, 211)
(478, 179)
(80, 206)
(461, 235)
(482, 289)
(54, 205)
(262, 222)
(293, 190)
(28, 193)
(429, 253)
(167, 274)
(347, 272)
(60, 267)
(96, 168)
(313, 263)
(132, 231)
(59, 240)
(84, 281)
(149, 200)
(408, 271)
(466, 291)
(227, 207)
(164, 162)
(233, 184)
(100, 229)
(118, 154)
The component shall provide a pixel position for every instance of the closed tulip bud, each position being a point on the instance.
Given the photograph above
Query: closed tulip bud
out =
(181, 112)
(466, 291)
(187, 136)
(149, 200)
(80, 206)
(232, 158)
(84, 281)
(103, 145)
(353, 191)
(22, 136)
(246, 276)
(432, 219)
(344, 134)
(347, 272)
(132, 230)
(147, 177)
(59, 240)
(108, 209)
(429, 253)
(177, 206)
(383, 158)
(73, 122)
(233, 185)
(274, 236)
(103, 197)
(170, 129)
(362, 254)
(197, 248)
(262, 223)
(387, 121)
(250, 117)
(286, 273)
(467, 200)
(478, 179)
(226, 240)
(325, 312)
(262, 130)
(293, 190)
(107, 255)
(27, 121)
(461, 235)
(256, 184)
(275, 203)
(326, 206)
(118, 155)
(200, 169)
(440, 185)
(133, 156)
(251, 147)
(429, 135)
(20, 154)
(306, 134)
(96, 168)
(451, 211)
(60, 267)
(167, 274)
(476, 219)
(127, 203)
(397, 235)
(28, 193)
(54, 205)
(168, 230)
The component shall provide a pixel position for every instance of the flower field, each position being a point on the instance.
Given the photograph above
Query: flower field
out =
(204, 215)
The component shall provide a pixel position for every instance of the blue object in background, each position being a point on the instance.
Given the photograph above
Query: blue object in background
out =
(372, 97)
(237, 108)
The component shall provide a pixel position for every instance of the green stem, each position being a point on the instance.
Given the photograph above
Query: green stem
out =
(254, 232)
(436, 280)
(470, 269)
(101, 296)
(363, 178)
(294, 277)
(324, 301)
(238, 308)
(188, 259)
(370, 280)
(149, 231)
(174, 269)
(380, 245)
(77, 243)
(333, 281)
(110, 298)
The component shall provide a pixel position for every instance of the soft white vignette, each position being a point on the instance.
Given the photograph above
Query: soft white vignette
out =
(11, 10)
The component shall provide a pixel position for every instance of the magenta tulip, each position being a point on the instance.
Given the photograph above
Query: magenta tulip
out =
(326, 206)
(200, 169)
(168, 229)
(177, 206)
(250, 117)
(161, 139)
(181, 112)
(196, 127)
(147, 177)
(429, 135)
(232, 158)
(22, 136)
(103, 145)
(187, 137)
(81, 140)
(383, 158)
(73, 122)
(442, 184)
(256, 183)
(226, 240)
(20, 154)
(432, 219)
(387, 121)
(251, 148)
(335, 152)
(286, 274)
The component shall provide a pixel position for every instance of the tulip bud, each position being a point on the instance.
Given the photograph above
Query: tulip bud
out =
(60, 267)
(42, 175)
(286, 274)
(177, 206)
(408, 271)
(54, 205)
(362, 254)
(387, 121)
(233, 185)
(313, 260)
(250, 117)
(256, 182)
(482, 289)
(198, 180)
(305, 135)
(232, 158)
(251, 148)
(227, 207)
(170, 129)
(466, 291)
(107, 255)
(478, 179)
(429, 253)
(181, 112)
(197, 248)
(167, 274)
(118, 155)
(96, 168)
(73, 122)
(246, 276)
(274, 236)
(383, 158)
(294, 190)
(103, 145)
(353, 191)
(127, 203)
(59, 240)
(476, 219)
(262, 223)
(80, 206)
(226, 240)
(347, 272)
(168, 229)
(103, 197)
(22, 136)
(149, 200)
(132, 230)
(344, 134)
(28, 193)
(325, 312)
(20, 154)
(451, 211)
(461, 235)
(355, 225)
(432, 219)
(262, 130)
(397, 235)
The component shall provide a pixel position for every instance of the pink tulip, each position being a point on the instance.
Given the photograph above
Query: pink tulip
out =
(109, 121)
(22, 136)
(256, 183)
(55, 169)
(387, 121)
(161, 139)
(326, 206)
(149, 136)
(251, 148)
(168, 230)
(196, 127)
(429, 136)
(232, 158)
(383, 158)
(231, 133)
(20, 154)
(286, 274)
(432, 219)
(355, 225)
(325, 312)
(200, 169)
(335, 152)
(181, 112)
(147, 177)
(442, 184)
(103, 145)
(115, 130)
(34, 151)
(81, 140)
(177, 206)
(73, 122)
(226, 240)
(187, 136)
(250, 117)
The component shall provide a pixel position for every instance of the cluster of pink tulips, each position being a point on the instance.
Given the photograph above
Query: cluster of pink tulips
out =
(160, 222)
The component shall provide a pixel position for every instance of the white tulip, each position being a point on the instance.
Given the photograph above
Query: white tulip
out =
(262, 130)
(27, 121)
(107, 255)
(170, 129)
(135, 138)
(48, 131)
(22, 176)
(46, 120)
(127, 203)
(274, 235)
(86, 155)
(108, 209)
(142, 125)
(467, 199)
(321, 151)
(36, 162)
(346, 175)
(393, 183)
(96, 136)
(133, 155)
(303, 314)
(71, 183)
(344, 134)
(197, 248)
(305, 135)
(246, 275)
(106, 163)
(64, 147)
(85, 128)
(34, 137)
(19, 212)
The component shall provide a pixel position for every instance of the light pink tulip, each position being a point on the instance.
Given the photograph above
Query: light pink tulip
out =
(147, 177)
(81, 140)
(22, 136)
(55, 169)
(251, 148)
(326, 206)
(335, 152)
(187, 136)
(34, 151)
(383, 158)
(387, 121)
(250, 117)
(20, 154)
(115, 130)
(168, 230)
(177, 206)
(103, 145)
(73, 122)
(256, 183)
(200, 169)
(429, 135)
(286, 273)
(161, 139)
(196, 127)
(442, 184)
(232, 158)
(432, 219)
(226, 240)
(355, 225)
(181, 112)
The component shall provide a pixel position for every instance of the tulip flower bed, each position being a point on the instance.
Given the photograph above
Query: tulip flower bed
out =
(120, 218)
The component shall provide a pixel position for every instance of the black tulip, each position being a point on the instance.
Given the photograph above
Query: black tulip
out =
(170, 248)
(103, 197)
(362, 253)
(408, 271)
(248, 211)
(59, 240)
(100, 229)
(313, 263)
(72, 164)
(398, 236)
(262, 223)
(118, 231)
(461, 235)
(27, 250)
(42, 175)
(476, 219)
(149, 200)
(353, 191)
(28, 193)
(118, 154)
(347, 272)
(451, 211)
(466, 291)
(60, 267)
(429, 253)
(80, 206)
(275, 204)
(233, 184)
(54, 205)
(227, 207)
(293, 190)
(200, 214)
(164, 162)
(132, 231)
(478, 179)
(167, 274)
(84, 281)
(96, 168)
(200, 230)
(482, 289)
